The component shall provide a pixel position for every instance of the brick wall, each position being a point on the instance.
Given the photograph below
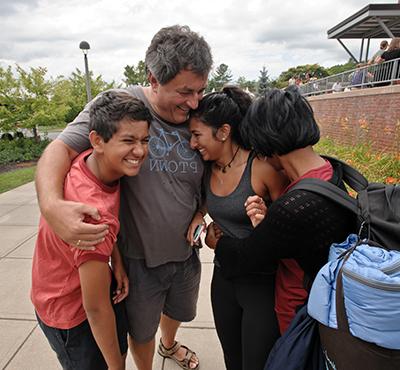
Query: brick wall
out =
(369, 116)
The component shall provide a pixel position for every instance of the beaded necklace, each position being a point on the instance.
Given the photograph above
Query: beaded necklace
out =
(228, 165)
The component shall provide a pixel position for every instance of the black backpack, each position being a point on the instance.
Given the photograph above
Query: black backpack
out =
(377, 205)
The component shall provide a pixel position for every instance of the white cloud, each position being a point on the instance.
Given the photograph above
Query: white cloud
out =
(245, 35)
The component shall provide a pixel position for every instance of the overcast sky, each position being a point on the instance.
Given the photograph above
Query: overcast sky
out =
(244, 34)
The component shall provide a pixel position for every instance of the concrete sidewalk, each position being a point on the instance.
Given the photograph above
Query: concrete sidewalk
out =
(22, 344)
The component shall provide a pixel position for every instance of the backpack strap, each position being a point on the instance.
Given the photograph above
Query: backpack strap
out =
(363, 201)
(350, 175)
(329, 191)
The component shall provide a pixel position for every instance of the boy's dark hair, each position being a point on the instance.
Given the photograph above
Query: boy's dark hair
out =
(109, 108)
(228, 106)
(279, 122)
(174, 49)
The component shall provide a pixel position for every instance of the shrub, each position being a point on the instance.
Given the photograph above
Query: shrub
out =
(21, 150)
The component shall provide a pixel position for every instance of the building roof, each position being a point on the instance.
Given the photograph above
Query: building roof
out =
(369, 23)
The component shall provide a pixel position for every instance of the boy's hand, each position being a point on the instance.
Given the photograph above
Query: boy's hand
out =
(122, 289)
(255, 209)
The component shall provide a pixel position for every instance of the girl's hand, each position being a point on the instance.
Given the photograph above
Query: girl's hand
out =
(255, 209)
(214, 233)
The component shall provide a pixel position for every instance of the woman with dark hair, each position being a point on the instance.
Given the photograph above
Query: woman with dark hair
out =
(300, 225)
(243, 306)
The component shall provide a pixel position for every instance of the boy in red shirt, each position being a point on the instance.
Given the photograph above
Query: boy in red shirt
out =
(71, 287)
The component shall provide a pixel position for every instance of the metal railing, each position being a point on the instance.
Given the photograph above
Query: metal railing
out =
(366, 76)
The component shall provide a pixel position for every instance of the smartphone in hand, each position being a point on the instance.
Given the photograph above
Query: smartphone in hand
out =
(196, 235)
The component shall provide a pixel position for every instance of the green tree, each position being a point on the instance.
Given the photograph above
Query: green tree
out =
(29, 102)
(339, 68)
(75, 91)
(275, 83)
(28, 99)
(313, 70)
(136, 75)
(263, 82)
(9, 90)
(36, 106)
(220, 77)
(248, 85)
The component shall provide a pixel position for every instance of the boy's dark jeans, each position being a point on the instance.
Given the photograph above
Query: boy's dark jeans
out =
(77, 349)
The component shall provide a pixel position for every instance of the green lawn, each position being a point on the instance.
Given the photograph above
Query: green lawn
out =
(12, 179)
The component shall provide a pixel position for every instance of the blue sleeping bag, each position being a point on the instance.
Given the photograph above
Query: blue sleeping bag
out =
(371, 285)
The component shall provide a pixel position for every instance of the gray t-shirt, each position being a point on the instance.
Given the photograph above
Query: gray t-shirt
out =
(158, 204)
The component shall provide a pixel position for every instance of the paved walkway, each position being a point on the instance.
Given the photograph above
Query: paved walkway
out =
(22, 344)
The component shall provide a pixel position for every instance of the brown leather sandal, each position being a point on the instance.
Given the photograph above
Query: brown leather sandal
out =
(170, 352)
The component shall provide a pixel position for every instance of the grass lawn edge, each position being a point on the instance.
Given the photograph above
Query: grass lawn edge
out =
(12, 179)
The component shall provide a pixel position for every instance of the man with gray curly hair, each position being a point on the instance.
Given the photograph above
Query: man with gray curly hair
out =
(159, 208)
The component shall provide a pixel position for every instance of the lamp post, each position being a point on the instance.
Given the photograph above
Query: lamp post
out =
(84, 46)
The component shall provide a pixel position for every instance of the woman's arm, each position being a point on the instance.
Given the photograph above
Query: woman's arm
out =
(242, 256)
(300, 225)
(282, 234)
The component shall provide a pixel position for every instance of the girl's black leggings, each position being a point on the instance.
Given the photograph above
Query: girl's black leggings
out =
(245, 319)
